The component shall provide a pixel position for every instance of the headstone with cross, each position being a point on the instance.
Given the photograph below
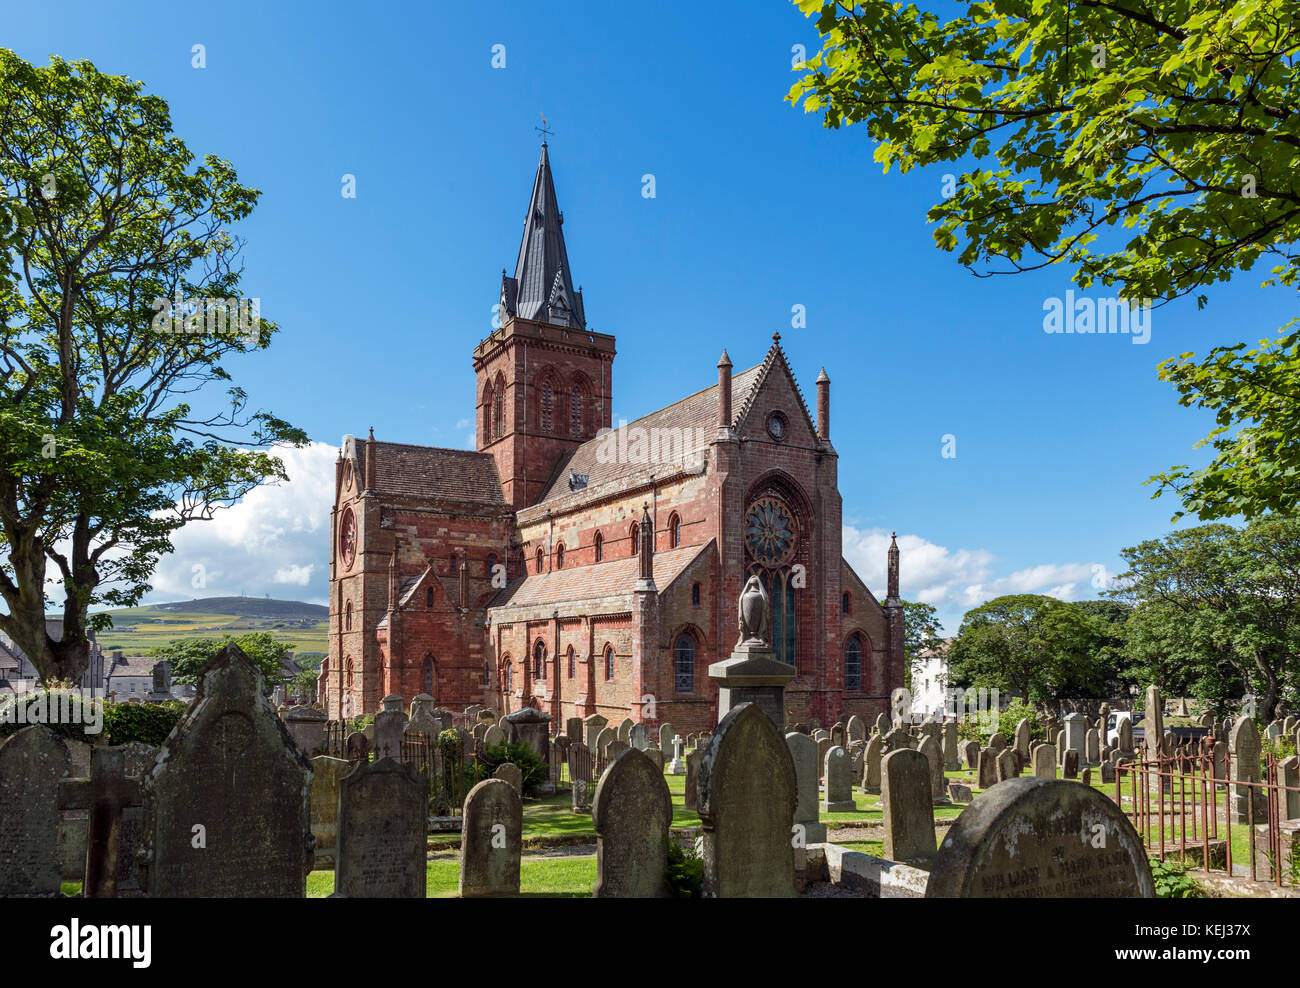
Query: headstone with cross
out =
(110, 794)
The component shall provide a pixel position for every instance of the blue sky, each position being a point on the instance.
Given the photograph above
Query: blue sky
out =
(758, 208)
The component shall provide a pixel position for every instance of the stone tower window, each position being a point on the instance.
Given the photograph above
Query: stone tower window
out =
(684, 664)
(853, 664)
(599, 546)
(547, 404)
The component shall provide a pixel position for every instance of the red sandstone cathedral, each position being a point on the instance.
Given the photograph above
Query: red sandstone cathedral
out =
(581, 569)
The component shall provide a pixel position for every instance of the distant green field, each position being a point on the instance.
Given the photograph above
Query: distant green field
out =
(139, 629)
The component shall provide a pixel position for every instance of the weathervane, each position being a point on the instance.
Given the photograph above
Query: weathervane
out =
(542, 129)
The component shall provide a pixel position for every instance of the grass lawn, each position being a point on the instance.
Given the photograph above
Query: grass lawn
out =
(567, 877)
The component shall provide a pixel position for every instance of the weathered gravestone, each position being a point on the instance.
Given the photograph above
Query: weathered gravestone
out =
(1044, 760)
(1092, 747)
(529, 726)
(357, 746)
(998, 742)
(857, 728)
(1154, 731)
(839, 782)
(383, 819)
(509, 772)
(307, 728)
(1070, 764)
(579, 796)
(656, 756)
(1288, 775)
(326, 774)
(883, 725)
(227, 809)
(573, 728)
(631, 812)
(32, 761)
(1244, 746)
(639, 737)
(1041, 838)
(491, 841)
(838, 739)
(666, 734)
(929, 747)
(603, 738)
(987, 773)
(1024, 735)
(951, 747)
(691, 793)
(591, 727)
(612, 750)
(746, 798)
(803, 756)
(871, 764)
(1076, 732)
(493, 736)
(970, 753)
(390, 728)
(581, 764)
(625, 729)
(906, 802)
(1005, 765)
(959, 793)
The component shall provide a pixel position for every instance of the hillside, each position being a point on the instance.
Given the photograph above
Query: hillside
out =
(139, 629)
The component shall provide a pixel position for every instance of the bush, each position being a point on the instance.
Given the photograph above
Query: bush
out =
(68, 717)
(1011, 715)
(147, 722)
(685, 871)
(1173, 882)
(531, 767)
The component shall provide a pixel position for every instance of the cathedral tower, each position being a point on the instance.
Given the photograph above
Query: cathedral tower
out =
(543, 380)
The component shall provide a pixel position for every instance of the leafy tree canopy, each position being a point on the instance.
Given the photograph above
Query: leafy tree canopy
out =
(188, 656)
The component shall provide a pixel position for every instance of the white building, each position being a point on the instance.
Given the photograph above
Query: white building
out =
(929, 680)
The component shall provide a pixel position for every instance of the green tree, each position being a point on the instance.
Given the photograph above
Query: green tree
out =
(107, 221)
(1150, 147)
(1038, 647)
(921, 630)
(189, 655)
(1217, 611)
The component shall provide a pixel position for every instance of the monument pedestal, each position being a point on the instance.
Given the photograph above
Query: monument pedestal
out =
(754, 675)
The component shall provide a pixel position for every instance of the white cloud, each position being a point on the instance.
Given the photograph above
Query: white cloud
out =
(955, 581)
(462, 423)
(274, 540)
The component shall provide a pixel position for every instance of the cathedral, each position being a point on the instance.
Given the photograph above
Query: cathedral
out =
(579, 568)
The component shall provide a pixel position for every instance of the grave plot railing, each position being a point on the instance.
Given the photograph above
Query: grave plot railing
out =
(454, 774)
(336, 735)
(1182, 805)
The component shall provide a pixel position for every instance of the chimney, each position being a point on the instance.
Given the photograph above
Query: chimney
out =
(823, 406)
(724, 390)
(370, 461)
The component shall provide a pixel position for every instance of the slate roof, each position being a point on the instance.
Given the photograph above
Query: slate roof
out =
(431, 471)
(610, 579)
(694, 412)
(132, 665)
(542, 288)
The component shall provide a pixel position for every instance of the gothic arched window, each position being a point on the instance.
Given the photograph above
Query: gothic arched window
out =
(508, 674)
(684, 664)
(695, 594)
(609, 662)
(674, 531)
(428, 597)
(598, 544)
(559, 556)
(853, 664)
(489, 412)
(546, 404)
(541, 559)
(347, 616)
(499, 407)
(539, 661)
(846, 604)
(571, 662)
(635, 534)
(575, 411)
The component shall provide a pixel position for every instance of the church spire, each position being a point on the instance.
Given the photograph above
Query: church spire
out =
(542, 288)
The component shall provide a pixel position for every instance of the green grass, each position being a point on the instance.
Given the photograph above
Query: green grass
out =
(137, 630)
(571, 877)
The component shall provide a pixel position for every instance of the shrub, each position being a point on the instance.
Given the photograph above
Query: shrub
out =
(531, 767)
(685, 871)
(1173, 881)
(147, 722)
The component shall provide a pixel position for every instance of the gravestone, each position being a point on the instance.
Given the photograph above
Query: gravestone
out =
(1005, 765)
(1092, 747)
(73, 818)
(1124, 736)
(998, 742)
(423, 718)
(581, 764)
(1060, 746)
(753, 673)
(111, 798)
(230, 768)
(1044, 760)
(326, 774)
(959, 793)
(625, 729)
(694, 759)
(32, 761)
(987, 772)
(677, 766)
(951, 747)
(656, 756)
(970, 753)
(603, 738)
(631, 812)
(1024, 733)
(1155, 724)
(897, 740)
(591, 728)
(906, 806)
(839, 782)
(493, 736)
(823, 746)
(1085, 775)
(1035, 838)
(357, 746)
(390, 728)
(509, 772)
(639, 737)
(746, 797)
(555, 768)
(803, 756)
(1076, 731)
(529, 726)
(929, 747)
(1070, 764)
(491, 841)
(1107, 772)
(1244, 747)
(857, 728)
(579, 795)
(871, 764)
(573, 728)
(883, 725)
(1288, 774)
(666, 735)
(307, 728)
(838, 738)
(382, 822)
